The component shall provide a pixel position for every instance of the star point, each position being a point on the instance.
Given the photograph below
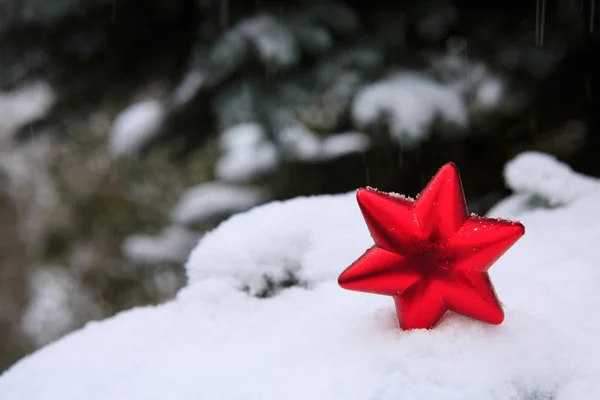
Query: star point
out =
(429, 254)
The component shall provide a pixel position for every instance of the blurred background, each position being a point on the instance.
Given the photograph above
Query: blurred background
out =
(128, 128)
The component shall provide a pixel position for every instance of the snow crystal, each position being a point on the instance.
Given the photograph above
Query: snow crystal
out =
(135, 126)
(246, 153)
(318, 341)
(23, 105)
(410, 102)
(171, 245)
(214, 199)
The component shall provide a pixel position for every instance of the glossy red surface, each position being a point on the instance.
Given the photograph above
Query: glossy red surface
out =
(430, 254)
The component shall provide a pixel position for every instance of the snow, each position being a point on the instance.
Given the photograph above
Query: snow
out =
(172, 245)
(192, 82)
(409, 102)
(24, 105)
(480, 87)
(274, 43)
(541, 182)
(242, 136)
(489, 93)
(293, 237)
(214, 199)
(539, 174)
(246, 153)
(334, 146)
(301, 144)
(135, 126)
(58, 305)
(218, 341)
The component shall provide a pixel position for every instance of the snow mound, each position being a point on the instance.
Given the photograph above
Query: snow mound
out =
(291, 238)
(214, 199)
(540, 180)
(135, 126)
(409, 103)
(542, 175)
(215, 341)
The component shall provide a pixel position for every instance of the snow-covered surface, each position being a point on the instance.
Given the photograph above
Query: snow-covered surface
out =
(317, 341)
(409, 102)
(23, 105)
(246, 153)
(172, 245)
(214, 199)
(135, 126)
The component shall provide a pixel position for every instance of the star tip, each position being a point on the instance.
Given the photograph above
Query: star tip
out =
(364, 194)
(343, 280)
(450, 164)
(450, 167)
(361, 190)
(448, 171)
(497, 318)
(519, 229)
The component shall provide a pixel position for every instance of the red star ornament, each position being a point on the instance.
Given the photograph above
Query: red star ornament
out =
(430, 255)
